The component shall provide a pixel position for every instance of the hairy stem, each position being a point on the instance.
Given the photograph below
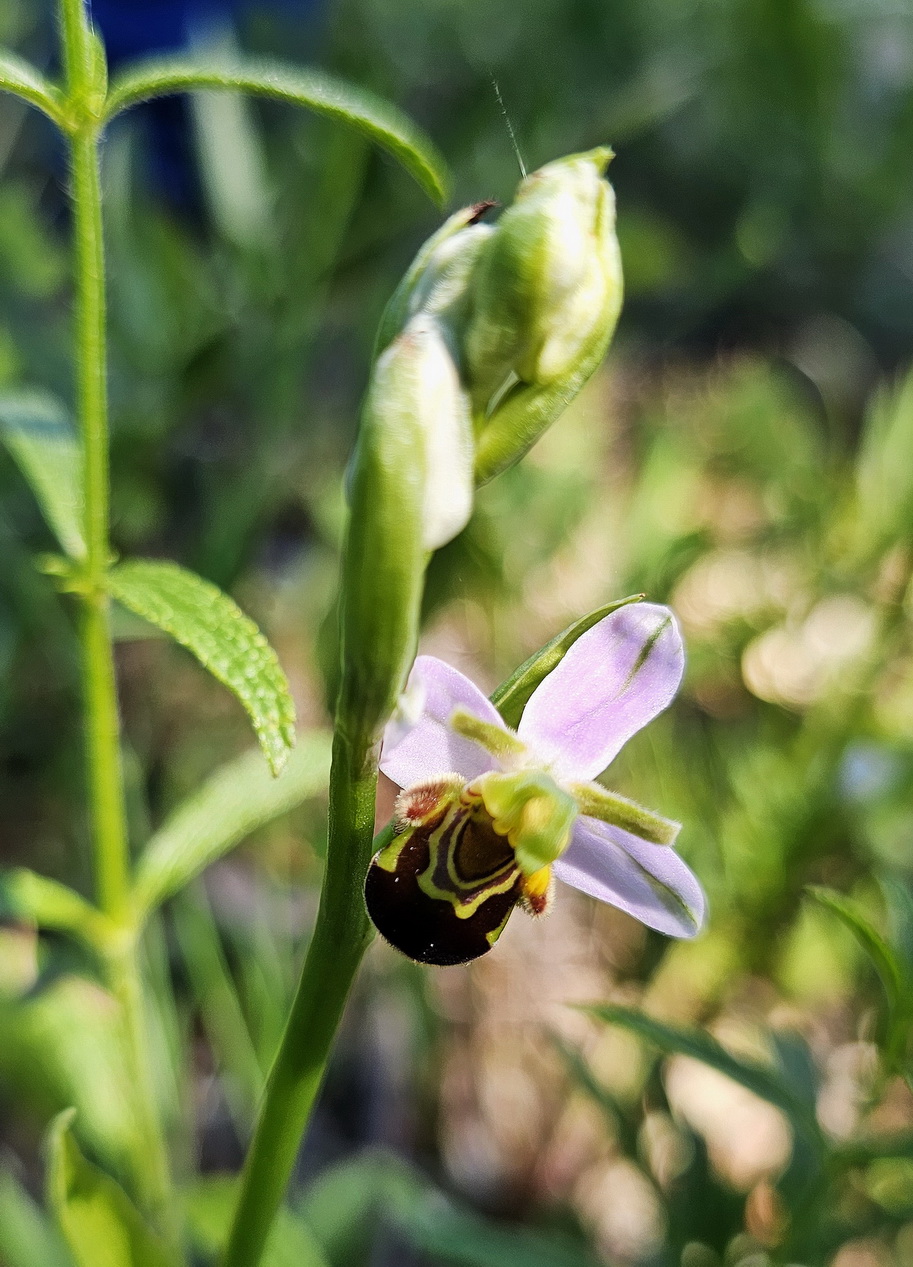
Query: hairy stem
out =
(75, 40)
(103, 725)
(341, 935)
(105, 773)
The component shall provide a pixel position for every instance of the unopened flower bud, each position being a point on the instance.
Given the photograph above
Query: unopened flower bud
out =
(430, 387)
(410, 491)
(550, 278)
(437, 282)
(547, 292)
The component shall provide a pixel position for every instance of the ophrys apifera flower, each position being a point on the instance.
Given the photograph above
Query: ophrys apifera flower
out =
(488, 815)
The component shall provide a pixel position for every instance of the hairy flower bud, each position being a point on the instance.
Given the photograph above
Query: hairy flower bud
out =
(549, 279)
(444, 437)
(547, 292)
(438, 280)
(410, 491)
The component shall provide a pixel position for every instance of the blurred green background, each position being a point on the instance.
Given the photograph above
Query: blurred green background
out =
(745, 455)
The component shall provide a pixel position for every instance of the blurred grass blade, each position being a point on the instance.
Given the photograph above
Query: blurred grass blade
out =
(884, 470)
(797, 1066)
(24, 80)
(229, 148)
(225, 641)
(210, 1205)
(343, 1206)
(512, 696)
(219, 1006)
(27, 1237)
(453, 1234)
(63, 1047)
(313, 89)
(340, 1206)
(899, 902)
(47, 904)
(583, 1079)
(233, 802)
(763, 1081)
(37, 431)
(885, 961)
(264, 950)
(865, 1149)
(99, 1223)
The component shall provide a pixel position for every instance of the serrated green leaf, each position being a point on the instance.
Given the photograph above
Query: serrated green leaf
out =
(882, 956)
(37, 431)
(34, 899)
(232, 803)
(512, 696)
(325, 94)
(762, 1080)
(27, 1237)
(225, 641)
(97, 1219)
(25, 81)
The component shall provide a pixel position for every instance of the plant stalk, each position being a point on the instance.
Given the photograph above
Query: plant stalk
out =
(152, 1173)
(100, 689)
(102, 719)
(342, 933)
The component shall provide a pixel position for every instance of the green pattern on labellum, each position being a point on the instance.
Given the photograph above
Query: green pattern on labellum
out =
(442, 891)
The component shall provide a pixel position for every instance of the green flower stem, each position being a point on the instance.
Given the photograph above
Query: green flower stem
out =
(341, 935)
(75, 39)
(105, 774)
(103, 756)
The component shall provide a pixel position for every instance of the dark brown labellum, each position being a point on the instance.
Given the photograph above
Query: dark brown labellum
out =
(443, 890)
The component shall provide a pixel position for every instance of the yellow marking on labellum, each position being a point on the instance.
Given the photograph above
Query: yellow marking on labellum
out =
(443, 889)
(492, 936)
(468, 862)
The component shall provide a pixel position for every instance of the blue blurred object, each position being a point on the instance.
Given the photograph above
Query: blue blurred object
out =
(137, 28)
(134, 29)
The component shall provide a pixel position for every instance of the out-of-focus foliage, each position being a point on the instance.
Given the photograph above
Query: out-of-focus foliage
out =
(746, 456)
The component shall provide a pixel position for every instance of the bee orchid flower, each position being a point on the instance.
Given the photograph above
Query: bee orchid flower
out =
(488, 816)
